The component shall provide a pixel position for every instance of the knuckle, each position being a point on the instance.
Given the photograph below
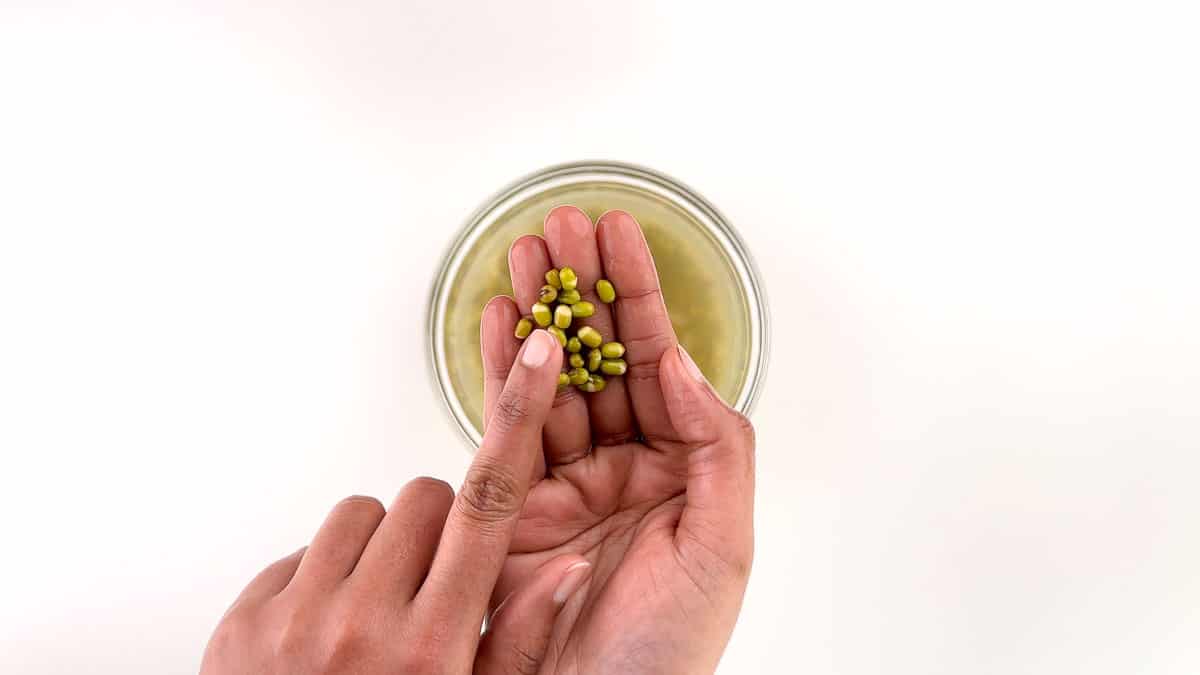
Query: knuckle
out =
(293, 638)
(565, 396)
(418, 662)
(745, 442)
(744, 429)
(496, 370)
(513, 410)
(489, 494)
(645, 371)
(521, 661)
(645, 299)
(646, 351)
(699, 427)
(348, 640)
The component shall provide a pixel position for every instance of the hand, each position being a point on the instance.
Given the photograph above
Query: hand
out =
(651, 480)
(405, 591)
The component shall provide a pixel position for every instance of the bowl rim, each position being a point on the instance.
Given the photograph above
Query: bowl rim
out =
(548, 177)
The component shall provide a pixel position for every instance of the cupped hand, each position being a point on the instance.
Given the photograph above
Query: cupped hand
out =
(406, 590)
(650, 480)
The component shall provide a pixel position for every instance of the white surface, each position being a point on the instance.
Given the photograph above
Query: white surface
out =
(980, 439)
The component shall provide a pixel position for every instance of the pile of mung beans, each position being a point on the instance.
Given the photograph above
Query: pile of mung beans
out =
(558, 305)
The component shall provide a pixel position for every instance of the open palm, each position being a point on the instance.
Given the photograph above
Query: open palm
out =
(651, 480)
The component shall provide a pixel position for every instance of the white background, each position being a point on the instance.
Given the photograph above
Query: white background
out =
(978, 222)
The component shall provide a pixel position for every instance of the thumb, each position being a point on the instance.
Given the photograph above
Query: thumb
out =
(519, 631)
(719, 513)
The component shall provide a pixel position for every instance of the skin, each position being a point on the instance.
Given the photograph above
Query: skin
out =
(650, 480)
(606, 533)
(405, 590)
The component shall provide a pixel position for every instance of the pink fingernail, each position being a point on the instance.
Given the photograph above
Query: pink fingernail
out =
(573, 577)
(571, 220)
(537, 349)
(691, 366)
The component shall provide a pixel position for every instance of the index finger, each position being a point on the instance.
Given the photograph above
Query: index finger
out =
(475, 539)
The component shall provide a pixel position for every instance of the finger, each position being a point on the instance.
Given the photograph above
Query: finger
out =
(567, 435)
(499, 348)
(269, 582)
(338, 544)
(642, 319)
(519, 631)
(528, 261)
(398, 556)
(475, 540)
(718, 519)
(571, 239)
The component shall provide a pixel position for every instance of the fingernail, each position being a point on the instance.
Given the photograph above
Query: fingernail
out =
(691, 366)
(619, 218)
(571, 220)
(573, 577)
(537, 349)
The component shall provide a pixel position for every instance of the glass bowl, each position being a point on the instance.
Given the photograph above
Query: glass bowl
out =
(709, 282)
